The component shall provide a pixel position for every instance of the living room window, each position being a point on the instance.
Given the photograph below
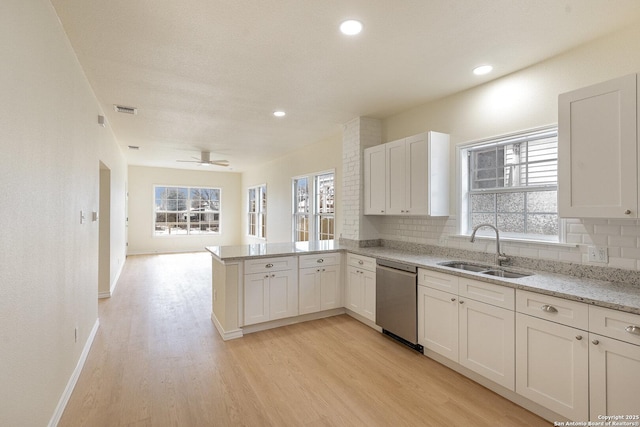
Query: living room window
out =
(314, 207)
(186, 210)
(257, 215)
(511, 182)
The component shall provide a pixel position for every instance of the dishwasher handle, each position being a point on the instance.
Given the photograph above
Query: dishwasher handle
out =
(396, 271)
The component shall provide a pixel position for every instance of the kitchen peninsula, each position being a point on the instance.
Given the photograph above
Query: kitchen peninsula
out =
(582, 322)
(229, 270)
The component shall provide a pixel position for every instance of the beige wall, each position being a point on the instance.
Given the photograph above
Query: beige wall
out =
(523, 100)
(320, 156)
(49, 169)
(141, 202)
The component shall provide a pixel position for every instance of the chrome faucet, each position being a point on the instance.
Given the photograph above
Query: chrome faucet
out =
(499, 257)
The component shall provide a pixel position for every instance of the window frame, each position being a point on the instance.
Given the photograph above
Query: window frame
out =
(260, 213)
(188, 213)
(313, 215)
(465, 191)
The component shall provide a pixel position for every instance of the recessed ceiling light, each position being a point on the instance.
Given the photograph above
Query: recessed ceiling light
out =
(279, 113)
(351, 27)
(483, 69)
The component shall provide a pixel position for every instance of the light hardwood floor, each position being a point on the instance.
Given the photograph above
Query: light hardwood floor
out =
(157, 360)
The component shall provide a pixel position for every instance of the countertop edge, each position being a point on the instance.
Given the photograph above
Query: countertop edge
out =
(553, 284)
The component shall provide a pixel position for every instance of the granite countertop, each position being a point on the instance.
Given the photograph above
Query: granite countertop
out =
(615, 295)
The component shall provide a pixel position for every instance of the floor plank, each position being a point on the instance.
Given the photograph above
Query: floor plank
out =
(157, 360)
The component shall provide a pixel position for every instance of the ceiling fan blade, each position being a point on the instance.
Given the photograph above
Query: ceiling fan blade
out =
(220, 162)
(205, 159)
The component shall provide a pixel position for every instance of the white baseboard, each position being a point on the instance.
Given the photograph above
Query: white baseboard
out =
(102, 295)
(226, 335)
(292, 320)
(64, 399)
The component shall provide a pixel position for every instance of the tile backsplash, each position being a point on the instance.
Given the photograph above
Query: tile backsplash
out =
(620, 237)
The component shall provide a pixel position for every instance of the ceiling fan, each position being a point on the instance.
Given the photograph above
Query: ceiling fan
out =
(205, 159)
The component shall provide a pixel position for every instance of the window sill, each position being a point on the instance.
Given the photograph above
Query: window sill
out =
(516, 240)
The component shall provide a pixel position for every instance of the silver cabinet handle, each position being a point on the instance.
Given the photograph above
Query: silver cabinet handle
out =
(266, 276)
(318, 271)
(320, 261)
(453, 299)
(578, 337)
(461, 302)
(627, 212)
(269, 265)
(635, 330)
(595, 342)
(360, 262)
(381, 211)
(549, 308)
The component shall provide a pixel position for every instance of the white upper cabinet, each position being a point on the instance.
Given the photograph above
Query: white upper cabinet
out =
(598, 151)
(416, 176)
(374, 180)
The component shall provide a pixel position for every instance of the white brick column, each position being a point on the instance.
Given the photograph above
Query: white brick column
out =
(357, 135)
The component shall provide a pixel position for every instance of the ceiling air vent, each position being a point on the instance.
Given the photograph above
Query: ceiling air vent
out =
(125, 110)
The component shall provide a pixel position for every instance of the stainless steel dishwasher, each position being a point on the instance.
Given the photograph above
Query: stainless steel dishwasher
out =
(396, 302)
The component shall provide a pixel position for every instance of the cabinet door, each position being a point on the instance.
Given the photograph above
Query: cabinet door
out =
(416, 171)
(309, 290)
(369, 295)
(552, 366)
(375, 180)
(597, 143)
(614, 377)
(355, 290)
(256, 298)
(438, 322)
(330, 289)
(283, 294)
(395, 177)
(487, 341)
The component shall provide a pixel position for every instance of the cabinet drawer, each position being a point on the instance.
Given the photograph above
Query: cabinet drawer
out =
(615, 324)
(360, 261)
(319, 259)
(500, 296)
(270, 264)
(566, 312)
(435, 280)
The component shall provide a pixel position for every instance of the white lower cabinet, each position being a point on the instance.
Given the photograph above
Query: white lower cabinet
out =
(269, 294)
(487, 340)
(477, 335)
(614, 364)
(552, 366)
(438, 321)
(361, 286)
(614, 378)
(319, 289)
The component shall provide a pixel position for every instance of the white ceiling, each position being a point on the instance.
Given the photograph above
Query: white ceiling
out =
(207, 74)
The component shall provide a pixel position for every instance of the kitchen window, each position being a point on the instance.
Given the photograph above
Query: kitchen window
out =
(512, 183)
(314, 207)
(257, 215)
(186, 211)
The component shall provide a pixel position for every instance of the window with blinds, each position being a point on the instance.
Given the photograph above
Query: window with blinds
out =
(512, 184)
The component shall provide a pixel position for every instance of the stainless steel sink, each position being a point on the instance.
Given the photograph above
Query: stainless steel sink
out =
(484, 269)
(466, 266)
(506, 274)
